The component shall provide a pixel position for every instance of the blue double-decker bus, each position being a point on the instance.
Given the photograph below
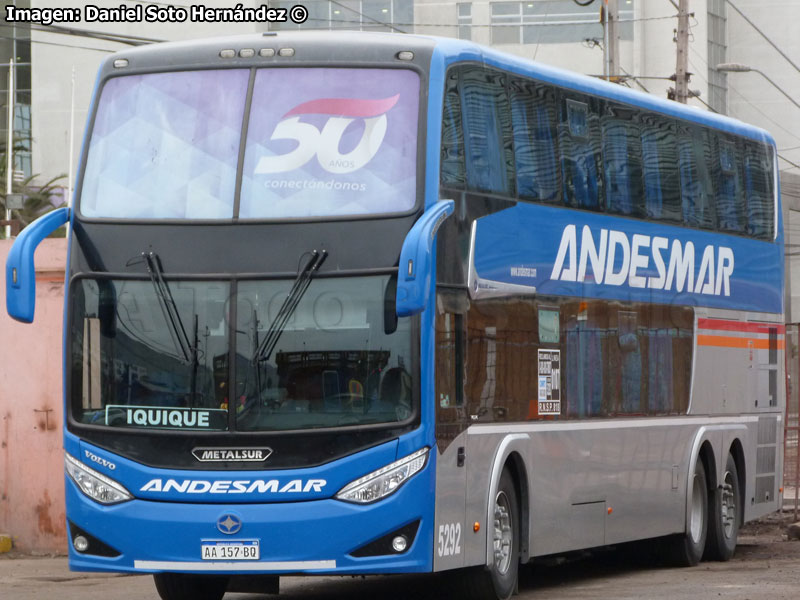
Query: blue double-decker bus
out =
(360, 304)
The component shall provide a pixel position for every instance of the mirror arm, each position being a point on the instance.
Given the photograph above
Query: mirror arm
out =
(20, 271)
(416, 260)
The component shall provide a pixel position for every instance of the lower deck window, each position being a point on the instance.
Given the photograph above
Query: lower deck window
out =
(606, 358)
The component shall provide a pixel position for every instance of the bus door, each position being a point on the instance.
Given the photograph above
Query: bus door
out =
(451, 424)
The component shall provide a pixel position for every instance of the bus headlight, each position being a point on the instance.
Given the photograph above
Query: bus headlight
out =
(97, 486)
(384, 481)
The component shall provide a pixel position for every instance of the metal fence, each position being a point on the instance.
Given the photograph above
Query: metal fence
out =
(791, 435)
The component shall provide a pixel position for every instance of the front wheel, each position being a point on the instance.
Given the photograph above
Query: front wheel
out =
(499, 581)
(180, 586)
(725, 515)
(686, 549)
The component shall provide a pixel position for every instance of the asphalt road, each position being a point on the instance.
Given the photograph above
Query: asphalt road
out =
(766, 565)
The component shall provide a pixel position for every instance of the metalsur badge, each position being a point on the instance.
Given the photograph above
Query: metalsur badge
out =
(232, 454)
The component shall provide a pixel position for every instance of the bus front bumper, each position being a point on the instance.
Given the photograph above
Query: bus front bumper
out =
(313, 537)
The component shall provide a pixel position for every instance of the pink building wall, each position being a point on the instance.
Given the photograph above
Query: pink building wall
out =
(31, 410)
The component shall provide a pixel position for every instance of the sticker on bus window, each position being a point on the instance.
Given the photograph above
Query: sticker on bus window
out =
(549, 382)
(331, 142)
(548, 326)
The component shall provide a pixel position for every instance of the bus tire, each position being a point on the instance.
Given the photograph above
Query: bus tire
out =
(725, 515)
(498, 581)
(686, 549)
(180, 586)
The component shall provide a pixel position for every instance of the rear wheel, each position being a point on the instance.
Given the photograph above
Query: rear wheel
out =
(725, 515)
(180, 586)
(686, 549)
(499, 581)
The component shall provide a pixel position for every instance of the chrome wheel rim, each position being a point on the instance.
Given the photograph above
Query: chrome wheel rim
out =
(728, 505)
(696, 517)
(503, 536)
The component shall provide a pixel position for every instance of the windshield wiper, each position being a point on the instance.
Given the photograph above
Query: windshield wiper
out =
(187, 347)
(267, 345)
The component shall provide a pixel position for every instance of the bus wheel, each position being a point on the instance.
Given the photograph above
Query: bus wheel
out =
(179, 586)
(686, 549)
(500, 580)
(725, 512)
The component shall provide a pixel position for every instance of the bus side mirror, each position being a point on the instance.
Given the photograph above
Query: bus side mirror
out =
(20, 272)
(416, 260)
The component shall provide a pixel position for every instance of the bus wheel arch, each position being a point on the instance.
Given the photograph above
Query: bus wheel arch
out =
(508, 455)
(706, 454)
(516, 466)
(497, 579)
(726, 507)
(508, 495)
(687, 548)
(737, 452)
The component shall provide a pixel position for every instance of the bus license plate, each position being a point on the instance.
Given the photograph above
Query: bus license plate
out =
(238, 550)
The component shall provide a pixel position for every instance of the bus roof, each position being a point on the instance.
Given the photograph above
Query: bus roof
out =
(363, 48)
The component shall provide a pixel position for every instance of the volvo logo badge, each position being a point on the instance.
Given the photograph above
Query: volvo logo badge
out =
(232, 454)
(229, 524)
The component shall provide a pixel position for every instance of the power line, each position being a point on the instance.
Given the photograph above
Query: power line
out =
(780, 156)
(764, 35)
(84, 33)
(8, 37)
(131, 40)
(470, 25)
(738, 93)
(794, 165)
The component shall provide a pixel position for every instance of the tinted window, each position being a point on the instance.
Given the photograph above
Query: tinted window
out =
(579, 150)
(487, 131)
(136, 364)
(758, 182)
(453, 173)
(611, 358)
(727, 177)
(622, 154)
(537, 142)
(327, 361)
(694, 158)
(533, 114)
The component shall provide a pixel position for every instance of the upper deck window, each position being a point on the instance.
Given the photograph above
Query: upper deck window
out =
(587, 152)
(320, 142)
(331, 142)
(165, 146)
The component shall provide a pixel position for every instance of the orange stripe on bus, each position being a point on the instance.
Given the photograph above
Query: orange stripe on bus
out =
(736, 342)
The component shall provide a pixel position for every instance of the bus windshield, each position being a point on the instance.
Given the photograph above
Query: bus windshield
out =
(337, 358)
(320, 142)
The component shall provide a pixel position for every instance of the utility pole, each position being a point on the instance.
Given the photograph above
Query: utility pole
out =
(612, 8)
(610, 20)
(682, 67)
